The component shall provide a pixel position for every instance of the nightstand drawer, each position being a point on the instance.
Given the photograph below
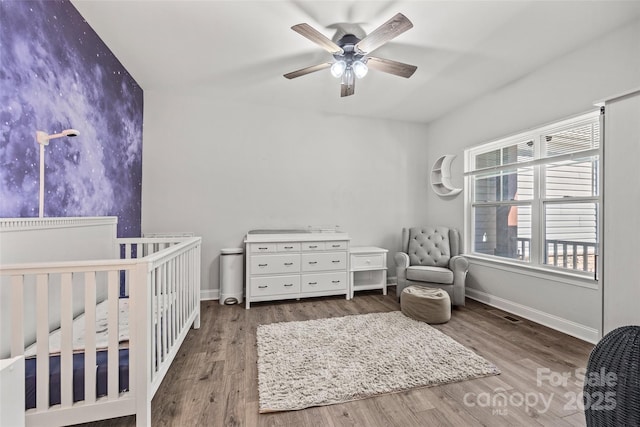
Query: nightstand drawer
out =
(275, 285)
(367, 262)
(323, 282)
(324, 261)
(274, 264)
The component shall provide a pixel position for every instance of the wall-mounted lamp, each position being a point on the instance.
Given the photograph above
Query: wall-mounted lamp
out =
(43, 139)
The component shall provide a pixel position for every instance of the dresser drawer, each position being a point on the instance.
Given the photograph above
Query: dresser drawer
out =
(324, 282)
(336, 246)
(324, 261)
(275, 264)
(313, 246)
(263, 247)
(367, 262)
(288, 247)
(278, 285)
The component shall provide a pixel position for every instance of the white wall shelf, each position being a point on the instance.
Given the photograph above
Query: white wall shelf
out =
(441, 177)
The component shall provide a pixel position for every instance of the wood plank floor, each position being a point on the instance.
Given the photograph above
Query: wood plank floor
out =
(213, 380)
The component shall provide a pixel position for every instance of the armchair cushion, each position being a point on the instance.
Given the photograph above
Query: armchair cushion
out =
(429, 246)
(430, 274)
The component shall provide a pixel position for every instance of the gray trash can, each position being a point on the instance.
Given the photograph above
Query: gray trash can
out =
(231, 276)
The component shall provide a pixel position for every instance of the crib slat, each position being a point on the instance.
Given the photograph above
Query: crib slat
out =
(171, 302)
(90, 337)
(42, 346)
(42, 339)
(66, 340)
(161, 329)
(17, 315)
(165, 306)
(185, 291)
(192, 277)
(180, 285)
(176, 293)
(185, 286)
(191, 267)
(168, 310)
(113, 334)
(155, 342)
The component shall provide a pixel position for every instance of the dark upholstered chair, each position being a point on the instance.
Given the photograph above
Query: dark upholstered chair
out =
(431, 257)
(612, 381)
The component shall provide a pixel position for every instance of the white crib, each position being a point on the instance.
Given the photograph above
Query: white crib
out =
(160, 277)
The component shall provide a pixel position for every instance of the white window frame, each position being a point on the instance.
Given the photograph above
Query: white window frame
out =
(535, 266)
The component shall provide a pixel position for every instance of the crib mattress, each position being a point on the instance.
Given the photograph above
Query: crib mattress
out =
(78, 377)
(78, 326)
(101, 339)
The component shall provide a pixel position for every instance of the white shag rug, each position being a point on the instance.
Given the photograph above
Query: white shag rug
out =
(328, 361)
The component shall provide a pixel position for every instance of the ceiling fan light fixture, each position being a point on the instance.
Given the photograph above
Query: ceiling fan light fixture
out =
(348, 77)
(337, 69)
(360, 69)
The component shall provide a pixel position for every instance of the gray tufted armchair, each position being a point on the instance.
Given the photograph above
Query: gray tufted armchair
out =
(431, 257)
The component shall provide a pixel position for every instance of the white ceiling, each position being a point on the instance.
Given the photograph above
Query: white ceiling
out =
(237, 51)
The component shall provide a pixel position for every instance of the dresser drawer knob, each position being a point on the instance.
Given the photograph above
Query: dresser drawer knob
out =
(288, 247)
(335, 246)
(313, 283)
(335, 261)
(263, 287)
(313, 246)
(313, 262)
(262, 265)
(288, 285)
(288, 263)
(335, 281)
(263, 249)
(368, 261)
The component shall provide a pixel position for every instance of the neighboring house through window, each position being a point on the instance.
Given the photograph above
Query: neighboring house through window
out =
(533, 198)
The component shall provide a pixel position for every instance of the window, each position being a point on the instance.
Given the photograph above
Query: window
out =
(533, 198)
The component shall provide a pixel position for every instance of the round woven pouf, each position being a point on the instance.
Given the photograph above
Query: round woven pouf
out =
(429, 305)
(612, 380)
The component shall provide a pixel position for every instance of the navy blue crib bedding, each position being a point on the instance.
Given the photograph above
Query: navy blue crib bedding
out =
(78, 376)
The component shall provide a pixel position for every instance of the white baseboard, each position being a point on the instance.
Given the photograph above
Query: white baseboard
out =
(209, 294)
(568, 327)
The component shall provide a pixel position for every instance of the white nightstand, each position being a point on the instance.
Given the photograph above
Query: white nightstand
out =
(368, 268)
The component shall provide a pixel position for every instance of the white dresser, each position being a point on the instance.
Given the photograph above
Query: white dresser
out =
(296, 264)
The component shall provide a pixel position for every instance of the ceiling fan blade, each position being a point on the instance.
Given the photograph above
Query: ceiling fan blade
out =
(392, 67)
(307, 70)
(385, 32)
(318, 38)
(348, 89)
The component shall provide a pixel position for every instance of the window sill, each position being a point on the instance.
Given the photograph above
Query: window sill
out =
(557, 275)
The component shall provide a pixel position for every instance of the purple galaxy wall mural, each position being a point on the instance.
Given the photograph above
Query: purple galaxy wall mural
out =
(56, 74)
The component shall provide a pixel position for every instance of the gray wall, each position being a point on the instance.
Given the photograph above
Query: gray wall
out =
(564, 87)
(220, 169)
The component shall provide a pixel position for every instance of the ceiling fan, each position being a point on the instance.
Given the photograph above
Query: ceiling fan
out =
(352, 54)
